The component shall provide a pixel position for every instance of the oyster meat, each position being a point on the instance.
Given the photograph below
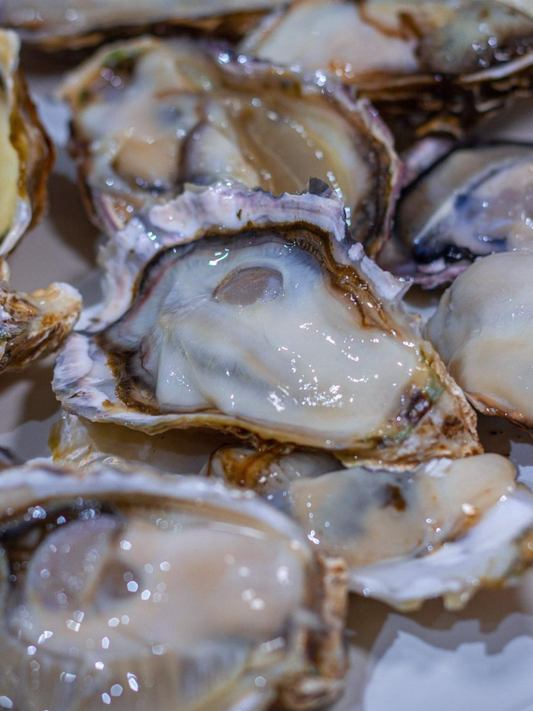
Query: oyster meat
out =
(94, 609)
(483, 329)
(434, 66)
(74, 24)
(446, 528)
(476, 201)
(252, 314)
(150, 116)
(30, 325)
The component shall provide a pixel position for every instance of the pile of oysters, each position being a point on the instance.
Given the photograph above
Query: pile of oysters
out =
(270, 178)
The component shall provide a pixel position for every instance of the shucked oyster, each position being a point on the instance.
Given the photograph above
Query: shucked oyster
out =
(428, 66)
(26, 154)
(58, 24)
(95, 612)
(446, 528)
(36, 324)
(483, 329)
(151, 116)
(476, 201)
(256, 315)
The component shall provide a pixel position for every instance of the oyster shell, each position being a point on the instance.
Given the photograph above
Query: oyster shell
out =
(255, 315)
(434, 66)
(74, 24)
(476, 201)
(94, 610)
(26, 153)
(150, 116)
(446, 528)
(32, 325)
(483, 329)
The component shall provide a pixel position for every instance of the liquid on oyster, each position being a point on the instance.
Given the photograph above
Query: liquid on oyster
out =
(151, 116)
(126, 588)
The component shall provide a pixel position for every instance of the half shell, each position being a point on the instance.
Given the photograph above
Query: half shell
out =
(257, 315)
(433, 68)
(151, 116)
(446, 528)
(94, 610)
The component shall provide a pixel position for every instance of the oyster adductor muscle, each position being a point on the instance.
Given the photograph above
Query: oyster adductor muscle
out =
(483, 329)
(257, 315)
(445, 528)
(75, 24)
(150, 116)
(434, 67)
(476, 201)
(95, 610)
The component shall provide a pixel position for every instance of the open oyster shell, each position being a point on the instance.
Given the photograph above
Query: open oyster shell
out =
(30, 325)
(26, 153)
(150, 116)
(433, 67)
(476, 201)
(483, 329)
(74, 24)
(94, 609)
(446, 528)
(255, 315)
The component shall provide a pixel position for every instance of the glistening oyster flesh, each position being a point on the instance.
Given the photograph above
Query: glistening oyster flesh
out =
(150, 116)
(476, 201)
(91, 579)
(433, 68)
(243, 312)
(73, 24)
(483, 329)
(446, 528)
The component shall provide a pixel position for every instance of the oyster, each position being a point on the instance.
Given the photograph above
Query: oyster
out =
(256, 315)
(433, 68)
(483, 329)
(95, 611)
(26, 154)
(151, 116)
(74, 24)
(446, 528)
(30, 325)
(476, 201)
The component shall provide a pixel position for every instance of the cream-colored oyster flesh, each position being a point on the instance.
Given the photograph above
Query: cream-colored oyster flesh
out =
(434, 66)
(483, 329)
(150, 116)
(445, 528)
(278, 327)
(66, 24)
(95, 610)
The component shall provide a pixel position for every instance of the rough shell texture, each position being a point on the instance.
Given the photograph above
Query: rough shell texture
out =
(431, 418)
(151, 116)
(223, 652)
(446, 528)
(435, 66)
(25, 150)
(75, 24)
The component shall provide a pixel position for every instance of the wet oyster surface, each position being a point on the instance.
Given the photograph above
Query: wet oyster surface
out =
(482, 330)
(274, 331)
(94, 594)
(151, 116)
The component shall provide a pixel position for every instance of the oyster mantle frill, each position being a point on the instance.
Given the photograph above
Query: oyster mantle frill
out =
(235, 310)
